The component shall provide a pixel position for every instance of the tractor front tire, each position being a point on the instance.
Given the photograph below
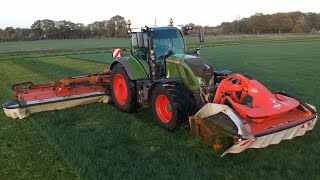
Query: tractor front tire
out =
(170, 105)
(123, 90)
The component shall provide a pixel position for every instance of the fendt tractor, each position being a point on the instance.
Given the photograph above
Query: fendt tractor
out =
(181, 88)
(160, 75)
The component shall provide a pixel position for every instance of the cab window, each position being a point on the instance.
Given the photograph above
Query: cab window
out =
(139, 45)
(167, 39)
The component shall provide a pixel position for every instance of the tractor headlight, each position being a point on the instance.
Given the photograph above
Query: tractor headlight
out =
(201, 81)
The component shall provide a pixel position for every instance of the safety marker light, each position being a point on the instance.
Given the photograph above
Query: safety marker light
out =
(171, 21)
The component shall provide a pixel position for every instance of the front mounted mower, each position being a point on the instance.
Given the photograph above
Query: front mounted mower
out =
(181, 88)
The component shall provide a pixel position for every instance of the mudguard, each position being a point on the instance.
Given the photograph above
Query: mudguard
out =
(132, 66)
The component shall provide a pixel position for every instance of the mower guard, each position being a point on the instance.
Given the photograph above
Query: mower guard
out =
(21, 109)
(254, 135)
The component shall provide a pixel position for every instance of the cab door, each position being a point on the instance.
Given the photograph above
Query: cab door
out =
(139, 49)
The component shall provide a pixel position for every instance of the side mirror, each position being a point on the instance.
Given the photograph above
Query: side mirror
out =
(197, 51)
(168, 53)
(194, 52)
(186, 29)
(201, 34)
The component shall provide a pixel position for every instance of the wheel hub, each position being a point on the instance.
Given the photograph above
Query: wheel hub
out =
(168, 107)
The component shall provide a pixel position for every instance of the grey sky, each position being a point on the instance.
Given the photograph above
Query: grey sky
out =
(22, 13)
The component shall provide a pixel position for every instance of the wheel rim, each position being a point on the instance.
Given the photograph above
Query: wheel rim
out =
(163, 108)
(120, 89)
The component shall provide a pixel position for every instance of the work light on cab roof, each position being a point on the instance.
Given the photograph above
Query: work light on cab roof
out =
(171, 21)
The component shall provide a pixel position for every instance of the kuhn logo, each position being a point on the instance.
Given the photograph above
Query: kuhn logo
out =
(254, 90)
(275, 104)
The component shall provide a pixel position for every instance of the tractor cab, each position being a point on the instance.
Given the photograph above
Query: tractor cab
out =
(153, 45)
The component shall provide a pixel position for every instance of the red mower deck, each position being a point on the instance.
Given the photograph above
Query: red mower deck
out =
(267, 119)
(70, 92)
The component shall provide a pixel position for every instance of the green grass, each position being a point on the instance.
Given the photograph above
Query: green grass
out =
(51, 45)
(104, 58)
(99, 142)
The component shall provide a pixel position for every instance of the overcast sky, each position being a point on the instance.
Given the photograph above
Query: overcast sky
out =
(22, 13)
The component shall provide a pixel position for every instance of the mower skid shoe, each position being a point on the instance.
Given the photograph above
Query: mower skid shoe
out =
(16, 113)
(274, 138)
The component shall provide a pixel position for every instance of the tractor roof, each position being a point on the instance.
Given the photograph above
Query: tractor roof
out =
(154, 27)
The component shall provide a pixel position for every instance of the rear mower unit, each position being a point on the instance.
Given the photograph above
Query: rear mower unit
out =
(69, 92)
(181, 88)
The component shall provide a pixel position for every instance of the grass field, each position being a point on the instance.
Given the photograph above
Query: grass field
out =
(98, 142)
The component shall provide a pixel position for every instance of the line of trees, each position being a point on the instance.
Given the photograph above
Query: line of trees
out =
(292, 22)
(116, 27)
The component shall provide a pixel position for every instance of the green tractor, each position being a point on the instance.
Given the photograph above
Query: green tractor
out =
(160, 73)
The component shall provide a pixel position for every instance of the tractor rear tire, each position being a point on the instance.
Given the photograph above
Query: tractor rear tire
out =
(123, 90)
(171, 105)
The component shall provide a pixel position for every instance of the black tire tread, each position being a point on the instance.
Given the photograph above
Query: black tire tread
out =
(181, 100)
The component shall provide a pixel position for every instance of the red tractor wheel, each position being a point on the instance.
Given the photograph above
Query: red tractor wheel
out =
(170, 105)
(120, 89)
(123, 90)
(163, 108)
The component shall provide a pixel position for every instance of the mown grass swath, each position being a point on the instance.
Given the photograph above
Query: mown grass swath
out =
(97, 141)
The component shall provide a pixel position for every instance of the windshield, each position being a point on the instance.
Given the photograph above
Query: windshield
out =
(167, 39)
